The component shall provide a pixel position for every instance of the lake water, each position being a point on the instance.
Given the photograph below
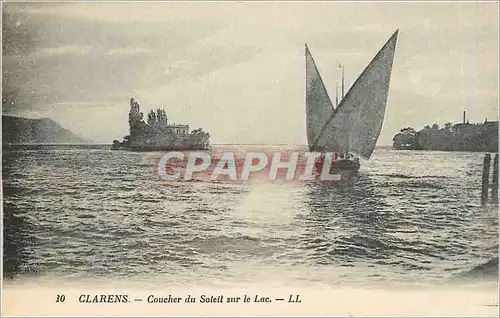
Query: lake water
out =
(412, 217)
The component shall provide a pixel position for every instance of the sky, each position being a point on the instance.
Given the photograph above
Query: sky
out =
(236, 69)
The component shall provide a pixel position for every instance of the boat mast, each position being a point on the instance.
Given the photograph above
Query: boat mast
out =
(346, 147)
(336, 94)
(342, 66)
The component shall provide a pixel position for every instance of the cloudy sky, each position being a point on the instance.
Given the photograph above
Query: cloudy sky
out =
(237, 69)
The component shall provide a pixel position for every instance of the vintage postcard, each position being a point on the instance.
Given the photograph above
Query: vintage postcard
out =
(201, 158)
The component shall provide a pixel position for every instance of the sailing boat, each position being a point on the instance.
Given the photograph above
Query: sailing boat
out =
(352, 127)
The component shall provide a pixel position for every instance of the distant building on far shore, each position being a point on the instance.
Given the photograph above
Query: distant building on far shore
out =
(459, 137)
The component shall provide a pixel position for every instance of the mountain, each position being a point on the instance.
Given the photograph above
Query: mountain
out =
(20, 130)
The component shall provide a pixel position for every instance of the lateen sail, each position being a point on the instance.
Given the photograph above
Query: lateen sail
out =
(319, 107)
(355, 124)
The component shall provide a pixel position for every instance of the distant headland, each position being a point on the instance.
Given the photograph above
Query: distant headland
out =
(30, 131)
(157, 134)
(459, 137)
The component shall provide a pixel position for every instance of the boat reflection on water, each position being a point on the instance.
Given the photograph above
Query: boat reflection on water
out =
(346, 222)
(355, 199)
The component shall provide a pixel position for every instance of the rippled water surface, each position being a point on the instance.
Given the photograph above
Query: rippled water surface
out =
(411, 216)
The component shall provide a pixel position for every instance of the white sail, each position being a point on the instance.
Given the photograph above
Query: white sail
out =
(356, 123)
(319, 107)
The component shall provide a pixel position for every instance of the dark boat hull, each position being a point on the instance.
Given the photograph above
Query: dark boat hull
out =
(348, 165)
(346, 168)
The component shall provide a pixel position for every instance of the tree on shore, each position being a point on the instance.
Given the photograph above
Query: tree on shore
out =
(200, 137)
(406, 138)
(459, 137)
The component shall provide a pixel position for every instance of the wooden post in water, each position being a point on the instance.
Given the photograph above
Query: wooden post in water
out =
(494, 186)
(486, 178)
